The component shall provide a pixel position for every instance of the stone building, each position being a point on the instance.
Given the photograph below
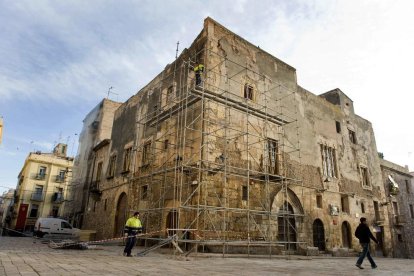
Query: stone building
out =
(247, 159)
(97, 126)
(42, 188)
(399, 191)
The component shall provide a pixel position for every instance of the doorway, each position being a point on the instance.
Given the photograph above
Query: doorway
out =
(21, 218)
(318, 235)
(120, 215)
(172, 222)
(287, 226)
(346, 235)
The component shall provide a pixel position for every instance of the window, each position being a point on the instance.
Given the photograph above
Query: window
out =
(55, 211)
(345, 204)
(39, 189)
(170, 93)
(319, 201)
(352, 136)
(411, 211)
(365, 177)
(105, 204)
(244, 193)
(59, 194)
(338, 127)
(144, 192)
(362, 207)
(99, 172)
(166, 144)
(248, 92)
(111, 166)
(328, 161)
(66, 225)
(146, 152)
(127, 159)
(407, 185)
(395, 207)
(42, 171)
(399, 237)
(34, 211)
(273, 156)
(63, 149)
(61, 176)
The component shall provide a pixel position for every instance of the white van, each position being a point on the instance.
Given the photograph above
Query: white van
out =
(55, 227)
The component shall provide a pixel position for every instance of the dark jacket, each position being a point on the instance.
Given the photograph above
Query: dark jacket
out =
(364, 234)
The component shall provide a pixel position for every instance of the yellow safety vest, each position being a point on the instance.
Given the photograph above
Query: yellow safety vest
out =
(199, 68)
(133, 222)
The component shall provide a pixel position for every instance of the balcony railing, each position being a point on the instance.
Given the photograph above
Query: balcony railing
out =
(36, 196)
(59, 179)
(40, 176)
(399, 219)
(57, 198)
(94, 187)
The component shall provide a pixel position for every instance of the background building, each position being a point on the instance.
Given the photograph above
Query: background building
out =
(400, 208)
(6, 208)
(42, 189)
(97, 126)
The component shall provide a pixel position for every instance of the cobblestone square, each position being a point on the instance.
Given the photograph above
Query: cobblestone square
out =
(27, 256)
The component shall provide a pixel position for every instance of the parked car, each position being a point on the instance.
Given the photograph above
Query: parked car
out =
(55, 227)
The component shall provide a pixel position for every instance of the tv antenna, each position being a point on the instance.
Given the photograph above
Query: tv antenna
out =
(110, 92)
(176, 51)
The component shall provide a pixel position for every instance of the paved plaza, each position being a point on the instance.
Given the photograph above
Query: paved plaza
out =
(27, 256)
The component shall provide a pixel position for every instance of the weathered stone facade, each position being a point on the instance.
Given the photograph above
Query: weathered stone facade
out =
(97, 126)
(247, 157)
(399, 203)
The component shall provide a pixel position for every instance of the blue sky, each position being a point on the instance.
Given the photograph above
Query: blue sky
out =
(59, 58)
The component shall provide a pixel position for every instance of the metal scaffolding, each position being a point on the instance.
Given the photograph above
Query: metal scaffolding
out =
(215, 162)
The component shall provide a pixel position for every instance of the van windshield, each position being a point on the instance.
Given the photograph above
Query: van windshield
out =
(66, 225)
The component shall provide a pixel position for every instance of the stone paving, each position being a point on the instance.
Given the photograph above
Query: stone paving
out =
(26, 256)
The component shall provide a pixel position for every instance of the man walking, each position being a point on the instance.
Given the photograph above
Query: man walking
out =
(132, 227)
(364, 235)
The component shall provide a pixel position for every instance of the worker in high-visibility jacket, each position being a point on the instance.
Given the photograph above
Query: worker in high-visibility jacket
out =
(133, 226)
(198, 70)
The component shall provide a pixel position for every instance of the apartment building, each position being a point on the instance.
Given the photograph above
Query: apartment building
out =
(42, 189)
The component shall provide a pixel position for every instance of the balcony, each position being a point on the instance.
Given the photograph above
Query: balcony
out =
(37, 196)
(40, 176)
(94, 187)
(399, 220)
(59, 179)
(57, 198)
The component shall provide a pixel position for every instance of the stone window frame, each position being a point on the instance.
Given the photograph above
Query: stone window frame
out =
(352, 136)
(365, 177)
(273, 156)
(111, 166)
(245, 193)
(319, 201)
(329, 161)
(146, 153)
(249, 93)
(144, 192)
(126, 164)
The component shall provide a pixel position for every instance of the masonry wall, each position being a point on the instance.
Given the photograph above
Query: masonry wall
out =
(231, 62)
